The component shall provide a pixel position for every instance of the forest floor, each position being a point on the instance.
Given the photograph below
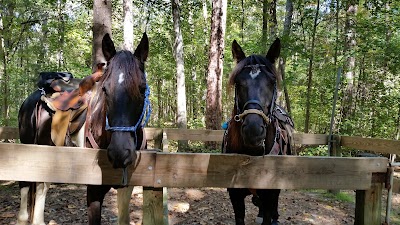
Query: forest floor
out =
(66, 204)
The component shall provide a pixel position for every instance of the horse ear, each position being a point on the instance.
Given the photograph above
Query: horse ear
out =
(142, 50)
(108, 47)
(274, 51)
(237, 52)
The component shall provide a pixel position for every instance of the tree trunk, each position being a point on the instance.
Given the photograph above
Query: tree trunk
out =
(102, 12)
(350, 44)
(282, 62)
(273, 22)
(180, 72)
(215, 65)
(128, 24)
(264, 37)
(310, 74)
(3, 76)
(5, 16)
(159, 102)
(43, 51)
(61, 32)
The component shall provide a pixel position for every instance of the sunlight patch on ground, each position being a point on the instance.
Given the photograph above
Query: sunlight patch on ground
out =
(194, 194)
(180, 207)
(137, 190)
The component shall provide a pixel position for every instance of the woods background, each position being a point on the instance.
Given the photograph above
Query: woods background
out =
(318, 37)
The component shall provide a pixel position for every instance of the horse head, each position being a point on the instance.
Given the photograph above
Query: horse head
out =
(254, 79)
(126, 95)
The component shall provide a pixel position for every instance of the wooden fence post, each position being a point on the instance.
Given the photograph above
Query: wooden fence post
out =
(155, 208)
(369, 205)
(335, 151)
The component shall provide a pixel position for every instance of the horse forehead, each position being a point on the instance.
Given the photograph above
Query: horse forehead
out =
(253, 77)
(121, 77)
(254, 72)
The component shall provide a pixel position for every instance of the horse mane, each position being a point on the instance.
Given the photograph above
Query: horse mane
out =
(122, 62)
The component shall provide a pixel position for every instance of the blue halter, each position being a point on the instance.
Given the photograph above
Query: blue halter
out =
(142, 120)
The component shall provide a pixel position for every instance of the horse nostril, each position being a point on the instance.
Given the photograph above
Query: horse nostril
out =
(128, 159)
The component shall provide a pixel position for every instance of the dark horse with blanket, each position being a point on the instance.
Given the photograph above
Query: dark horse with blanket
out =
(258, 126)
(108, 110)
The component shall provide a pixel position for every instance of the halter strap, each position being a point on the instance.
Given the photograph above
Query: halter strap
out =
(239, 116)
(143, 119)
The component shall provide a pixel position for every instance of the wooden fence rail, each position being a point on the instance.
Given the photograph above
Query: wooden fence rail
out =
(156, 169)
(23, 162)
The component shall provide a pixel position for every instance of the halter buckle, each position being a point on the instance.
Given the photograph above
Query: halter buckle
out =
(237, 118)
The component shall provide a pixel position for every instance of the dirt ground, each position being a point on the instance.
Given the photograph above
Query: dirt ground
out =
(66, 204)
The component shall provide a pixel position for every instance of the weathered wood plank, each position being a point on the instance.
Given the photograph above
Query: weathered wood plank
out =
(69, 165)
(9, 133)
(194, 135)
(79, 165)
(281, 172)
(217, 135)
(371, 144)
(153, 133)
(369, 205)
(310, 139)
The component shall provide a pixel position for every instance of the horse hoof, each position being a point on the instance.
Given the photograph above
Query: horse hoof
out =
(259, 220)
(275, 222)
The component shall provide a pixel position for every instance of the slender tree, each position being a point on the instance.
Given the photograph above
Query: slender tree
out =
(310, 71)
(282, 61)
(5, 43)
(180, 70)
(350, 45)
(61, 33)
(215, 65)
(264, 37)
(128, 24)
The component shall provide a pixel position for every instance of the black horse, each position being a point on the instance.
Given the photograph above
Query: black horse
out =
(258, 125)
(107, 111)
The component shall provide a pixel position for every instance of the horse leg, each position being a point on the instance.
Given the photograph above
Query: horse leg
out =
(123, 200)
(237, 197)
(23, 215)
(40, 199)
(94, 198)
(257, 202)
(270, 199)
(275, 202)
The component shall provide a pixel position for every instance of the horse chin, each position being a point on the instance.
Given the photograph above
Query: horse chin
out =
(254, 144)
(253, 141)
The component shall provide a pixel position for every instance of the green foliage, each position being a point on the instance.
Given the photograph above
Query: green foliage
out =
(35, 30)
(321, 150)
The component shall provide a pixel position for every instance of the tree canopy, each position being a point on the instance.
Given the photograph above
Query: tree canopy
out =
(48, 35)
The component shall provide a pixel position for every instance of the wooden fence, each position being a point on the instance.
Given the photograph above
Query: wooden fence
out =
(155, 170)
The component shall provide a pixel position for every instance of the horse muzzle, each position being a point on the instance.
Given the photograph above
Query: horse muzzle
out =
(121, 151)
(253, 130)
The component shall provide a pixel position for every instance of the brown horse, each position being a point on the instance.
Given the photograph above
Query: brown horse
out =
(258, 126)
(109, 112)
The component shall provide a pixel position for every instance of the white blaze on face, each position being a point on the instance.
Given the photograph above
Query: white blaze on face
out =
(121, 78)
(254, 72)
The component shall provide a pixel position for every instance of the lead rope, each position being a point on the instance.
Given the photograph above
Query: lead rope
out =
(124, 176)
